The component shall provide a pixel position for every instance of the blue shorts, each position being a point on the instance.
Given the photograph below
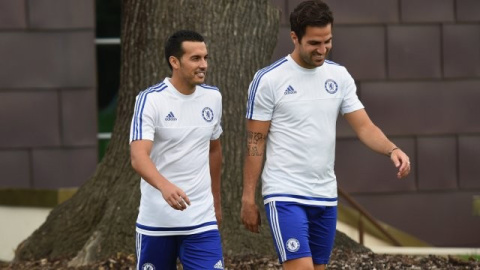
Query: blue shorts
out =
(195, 251)
(301, 230)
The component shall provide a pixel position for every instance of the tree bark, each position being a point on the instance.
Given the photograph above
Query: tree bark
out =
(99, 220)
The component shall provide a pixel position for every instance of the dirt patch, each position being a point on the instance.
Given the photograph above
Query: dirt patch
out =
(341, 259)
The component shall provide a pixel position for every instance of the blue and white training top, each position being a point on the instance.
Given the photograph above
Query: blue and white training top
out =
(303, 106)
(181, 127)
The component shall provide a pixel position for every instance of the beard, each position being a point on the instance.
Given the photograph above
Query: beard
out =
(309, 59)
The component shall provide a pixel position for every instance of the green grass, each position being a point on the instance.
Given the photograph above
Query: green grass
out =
(469, 257)
(106, 117)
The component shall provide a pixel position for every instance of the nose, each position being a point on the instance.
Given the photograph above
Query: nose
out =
(203, 63)
(322, 49)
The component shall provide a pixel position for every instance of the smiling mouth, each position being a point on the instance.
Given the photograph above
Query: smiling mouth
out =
(201, 74)
(318, 57)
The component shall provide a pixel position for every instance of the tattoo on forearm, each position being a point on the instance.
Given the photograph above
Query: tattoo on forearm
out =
(253, 139)
(253, 151)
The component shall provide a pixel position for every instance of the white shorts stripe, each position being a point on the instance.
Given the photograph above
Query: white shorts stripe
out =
(276, 231)
(139, 248)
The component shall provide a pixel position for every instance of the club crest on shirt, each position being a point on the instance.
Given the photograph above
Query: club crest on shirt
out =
(293, 245)
(207, 114)
(331, 86)
(148, 266)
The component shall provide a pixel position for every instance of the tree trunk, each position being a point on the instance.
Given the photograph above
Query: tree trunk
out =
(99, 220)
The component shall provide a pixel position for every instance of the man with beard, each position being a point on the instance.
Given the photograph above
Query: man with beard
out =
(292, 110)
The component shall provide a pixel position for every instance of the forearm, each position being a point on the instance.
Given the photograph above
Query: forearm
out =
(143, 165)
(368, 132)
(216, 171)
(375, 139)
(253, 164)
(251, 174)
(147, 170)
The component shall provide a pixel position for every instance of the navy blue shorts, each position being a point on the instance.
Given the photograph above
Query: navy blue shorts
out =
(195, 251)
(301, 230)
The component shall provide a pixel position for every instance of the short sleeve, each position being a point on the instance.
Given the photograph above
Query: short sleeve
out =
(350, 102)
(143, 120)
(260, 102)
(217, 129)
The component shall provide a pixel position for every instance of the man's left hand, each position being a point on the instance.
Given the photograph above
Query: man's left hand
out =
(402, 162)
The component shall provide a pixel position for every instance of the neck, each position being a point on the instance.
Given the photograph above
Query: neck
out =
(296, 57)
(182, 86)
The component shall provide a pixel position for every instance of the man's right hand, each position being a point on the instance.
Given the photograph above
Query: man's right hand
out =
(174, 196)
(143, 165)
(250, 217)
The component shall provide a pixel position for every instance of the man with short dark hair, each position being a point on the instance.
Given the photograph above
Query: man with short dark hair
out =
(292, 111)
(175, 148)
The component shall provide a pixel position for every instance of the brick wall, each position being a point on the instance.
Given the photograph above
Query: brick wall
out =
(47, 93)
(417, 69)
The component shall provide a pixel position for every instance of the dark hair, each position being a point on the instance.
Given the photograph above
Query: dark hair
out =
(173, 46)
(310, 13)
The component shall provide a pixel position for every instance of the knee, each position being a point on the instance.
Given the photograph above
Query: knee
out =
(304, 263)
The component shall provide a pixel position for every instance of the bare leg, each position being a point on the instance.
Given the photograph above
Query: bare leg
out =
(304, 263)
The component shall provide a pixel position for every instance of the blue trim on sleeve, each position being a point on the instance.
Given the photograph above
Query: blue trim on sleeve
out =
(211, 87)
(332, 63)
(139, 106)
(256, 82)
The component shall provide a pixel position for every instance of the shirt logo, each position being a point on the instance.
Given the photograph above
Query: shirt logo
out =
(148, 266)
(331, 86)
(207, 114)
(290, 91)
(293, 245)
(218, 265)
(170, 117)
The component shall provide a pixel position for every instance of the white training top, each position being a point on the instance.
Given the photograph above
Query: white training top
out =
(181, 127)
(302, 105)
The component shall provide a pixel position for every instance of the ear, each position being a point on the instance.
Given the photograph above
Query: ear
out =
(294, 37)
(174, 61)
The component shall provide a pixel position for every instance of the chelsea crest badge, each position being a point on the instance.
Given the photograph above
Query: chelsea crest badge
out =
(331, 86)
(207, 114)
